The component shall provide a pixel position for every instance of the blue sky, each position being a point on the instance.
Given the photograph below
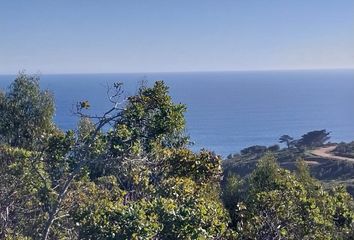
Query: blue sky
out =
(163, 35)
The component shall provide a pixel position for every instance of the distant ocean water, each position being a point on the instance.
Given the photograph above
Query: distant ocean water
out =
(228, 111)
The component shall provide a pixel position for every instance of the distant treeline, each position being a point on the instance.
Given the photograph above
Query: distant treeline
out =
(330, 172)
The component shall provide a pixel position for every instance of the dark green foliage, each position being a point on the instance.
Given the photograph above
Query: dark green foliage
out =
(311, 139)
(26, 113)
(180, 210)
(276, 204)
(202, 167)
(20, 193)
(149, 118)
(287, 140)
(274, 148)
(345, 149)
(314, 138)
(190, 211)
(254, 150)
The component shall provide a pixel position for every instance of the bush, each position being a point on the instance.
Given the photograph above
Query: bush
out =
(26, 113)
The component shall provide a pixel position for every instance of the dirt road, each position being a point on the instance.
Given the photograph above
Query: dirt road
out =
(326, 152)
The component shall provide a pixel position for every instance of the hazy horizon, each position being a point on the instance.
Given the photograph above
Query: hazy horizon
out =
(196, 71)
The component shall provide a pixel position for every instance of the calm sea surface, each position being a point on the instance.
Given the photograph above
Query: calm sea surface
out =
(228, 111)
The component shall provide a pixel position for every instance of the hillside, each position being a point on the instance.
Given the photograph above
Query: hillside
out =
(325, 163)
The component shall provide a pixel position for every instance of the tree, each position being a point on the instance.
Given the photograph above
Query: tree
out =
(149, 118)
(179, 209)
(303, 173)
(286, 139)
(274, 203)
(314, 138)
(256, 149)
(155, 176)
(26, 113)
(274, 148)
(144, 151)
(24, 193)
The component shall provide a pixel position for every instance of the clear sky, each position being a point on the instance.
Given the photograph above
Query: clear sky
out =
(94, 36)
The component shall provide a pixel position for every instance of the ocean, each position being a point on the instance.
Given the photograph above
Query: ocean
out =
(227, 111)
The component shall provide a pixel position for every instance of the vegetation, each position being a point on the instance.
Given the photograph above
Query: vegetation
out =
(287, 140)
(330, 172)
(309, 140)
(345, 149)
(273, 203)
(314, 138)
(26, 113)
(129, 174)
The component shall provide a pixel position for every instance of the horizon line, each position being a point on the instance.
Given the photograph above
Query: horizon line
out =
(190, 71)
